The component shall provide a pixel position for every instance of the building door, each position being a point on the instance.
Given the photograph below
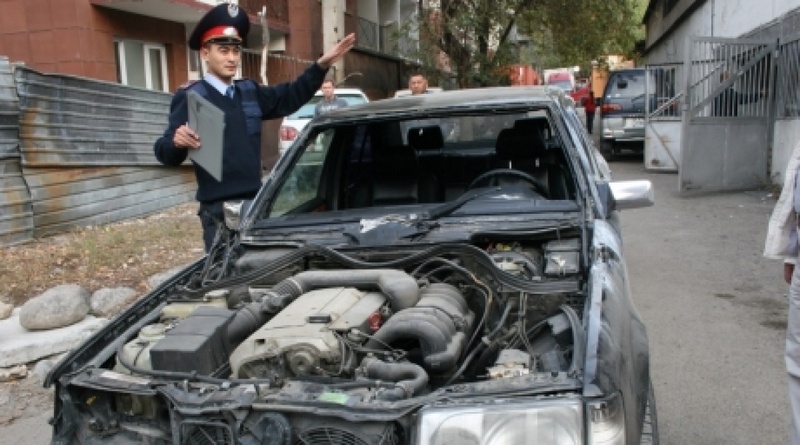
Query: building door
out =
(726, 123)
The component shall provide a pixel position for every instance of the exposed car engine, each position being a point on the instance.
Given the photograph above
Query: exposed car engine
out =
(393, 333)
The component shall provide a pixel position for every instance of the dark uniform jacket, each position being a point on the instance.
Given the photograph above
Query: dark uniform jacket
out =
(252, 103)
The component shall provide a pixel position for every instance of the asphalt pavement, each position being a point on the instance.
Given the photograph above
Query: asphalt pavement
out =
(715, 310)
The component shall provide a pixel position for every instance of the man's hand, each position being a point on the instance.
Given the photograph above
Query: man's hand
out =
(337, 51)
(185, 137)
(788, 270)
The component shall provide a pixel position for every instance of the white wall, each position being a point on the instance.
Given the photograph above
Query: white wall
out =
(732, 18)
(787, 133)
(716, 18)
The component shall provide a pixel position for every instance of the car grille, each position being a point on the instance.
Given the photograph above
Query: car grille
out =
(205, 433)
(343, 436)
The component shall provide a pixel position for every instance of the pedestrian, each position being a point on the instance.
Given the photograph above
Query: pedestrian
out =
(782, 243)
(218, 37)
(329, 100)
(418, 84)
(589, 108)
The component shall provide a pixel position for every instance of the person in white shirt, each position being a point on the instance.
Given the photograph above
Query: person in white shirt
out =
(782, 243)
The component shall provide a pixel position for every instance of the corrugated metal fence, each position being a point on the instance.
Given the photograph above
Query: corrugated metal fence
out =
(78, 152)
(16, 216)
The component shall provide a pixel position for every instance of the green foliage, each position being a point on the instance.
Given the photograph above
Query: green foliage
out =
(478, 39)
(575, 32)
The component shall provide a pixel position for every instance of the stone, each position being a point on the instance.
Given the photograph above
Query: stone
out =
(13, 373)
(5, 310)
(108, 302)
(56, 307)
(158, 279)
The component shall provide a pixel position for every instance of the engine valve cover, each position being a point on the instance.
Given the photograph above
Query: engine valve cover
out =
(302, 339)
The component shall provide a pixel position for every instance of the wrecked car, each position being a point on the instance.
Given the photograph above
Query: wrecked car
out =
(433, 269)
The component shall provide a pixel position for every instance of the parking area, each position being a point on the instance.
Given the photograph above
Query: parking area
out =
(715, 311)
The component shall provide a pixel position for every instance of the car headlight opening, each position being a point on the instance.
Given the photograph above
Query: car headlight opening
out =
(556, 422)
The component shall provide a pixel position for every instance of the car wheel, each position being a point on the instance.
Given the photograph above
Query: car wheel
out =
(650, 427)
(608, 150)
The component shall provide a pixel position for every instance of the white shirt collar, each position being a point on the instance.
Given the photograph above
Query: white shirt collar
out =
(216, 83)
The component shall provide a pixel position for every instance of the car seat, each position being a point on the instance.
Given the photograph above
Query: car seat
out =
(525, 149)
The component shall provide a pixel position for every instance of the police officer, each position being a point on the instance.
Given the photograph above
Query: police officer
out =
(218, 37)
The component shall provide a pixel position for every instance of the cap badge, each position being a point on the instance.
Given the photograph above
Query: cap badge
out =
(233, 10)
(230, 32)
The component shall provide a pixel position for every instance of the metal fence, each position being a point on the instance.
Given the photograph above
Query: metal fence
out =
(664, 85)
(729, 79)
(367, 34)
(16, 214)
(79, 152)
(788, 84)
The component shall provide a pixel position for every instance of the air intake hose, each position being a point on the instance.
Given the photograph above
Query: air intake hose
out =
(409, 378)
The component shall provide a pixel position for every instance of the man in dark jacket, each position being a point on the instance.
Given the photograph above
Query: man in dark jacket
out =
(329, 100)
(218, 36)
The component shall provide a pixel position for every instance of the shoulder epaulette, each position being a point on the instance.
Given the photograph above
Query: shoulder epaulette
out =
(188, 84)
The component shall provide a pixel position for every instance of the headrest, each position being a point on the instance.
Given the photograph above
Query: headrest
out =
(425, 138)
(397, 157)
(538, 124)
(513, 145)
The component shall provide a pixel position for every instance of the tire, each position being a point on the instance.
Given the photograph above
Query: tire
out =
(608, 150)
(650, 426)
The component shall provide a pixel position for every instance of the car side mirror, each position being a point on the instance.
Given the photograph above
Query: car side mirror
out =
(632, 194)
(622, 195)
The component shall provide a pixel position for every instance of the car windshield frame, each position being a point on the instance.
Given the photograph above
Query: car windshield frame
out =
(264, 218)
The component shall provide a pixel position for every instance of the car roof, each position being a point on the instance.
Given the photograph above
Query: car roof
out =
(452, 100)
(407, 92)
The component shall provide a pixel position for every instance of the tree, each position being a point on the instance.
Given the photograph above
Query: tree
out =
(476, 40)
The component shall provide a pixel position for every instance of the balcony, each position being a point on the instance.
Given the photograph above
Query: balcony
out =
(384, 38)
(276, 9)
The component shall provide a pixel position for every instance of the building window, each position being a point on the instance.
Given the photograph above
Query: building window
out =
(141, 64)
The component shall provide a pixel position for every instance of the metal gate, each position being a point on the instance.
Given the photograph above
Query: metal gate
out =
(725, 136)
(662, 122)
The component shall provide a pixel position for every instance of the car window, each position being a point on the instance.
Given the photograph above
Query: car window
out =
(626, 85)
(300, 189)
(352, 99)
(564, 85)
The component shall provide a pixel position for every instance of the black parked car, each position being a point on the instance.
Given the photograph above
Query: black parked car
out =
(393, 283)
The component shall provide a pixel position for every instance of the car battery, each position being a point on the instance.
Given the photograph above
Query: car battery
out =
(197, 344)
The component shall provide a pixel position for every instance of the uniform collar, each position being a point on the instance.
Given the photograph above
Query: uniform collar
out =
(216, 83)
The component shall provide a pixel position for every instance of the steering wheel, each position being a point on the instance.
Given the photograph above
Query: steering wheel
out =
(492, 176)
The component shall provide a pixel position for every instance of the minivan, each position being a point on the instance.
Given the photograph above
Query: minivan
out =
(622, 109)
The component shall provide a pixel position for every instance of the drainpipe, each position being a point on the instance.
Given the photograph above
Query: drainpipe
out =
(333, 31)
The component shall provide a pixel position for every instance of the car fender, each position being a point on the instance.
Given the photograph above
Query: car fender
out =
(617, 357)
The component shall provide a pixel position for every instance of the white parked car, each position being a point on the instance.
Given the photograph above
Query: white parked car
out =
(294, 123)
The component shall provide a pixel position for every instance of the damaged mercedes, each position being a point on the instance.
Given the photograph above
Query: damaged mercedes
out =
(434, 269)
